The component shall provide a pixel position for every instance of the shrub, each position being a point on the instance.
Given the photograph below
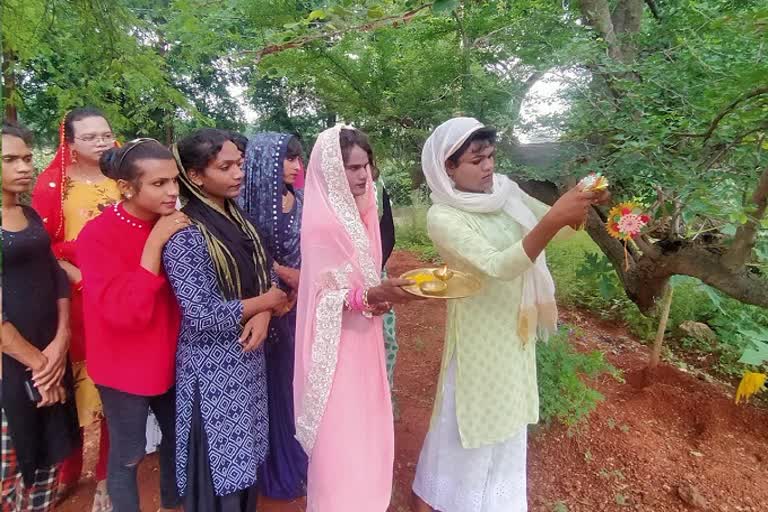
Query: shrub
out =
(564, 394)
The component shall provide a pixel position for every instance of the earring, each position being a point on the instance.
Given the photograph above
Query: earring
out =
(128, 196)
(74, 156)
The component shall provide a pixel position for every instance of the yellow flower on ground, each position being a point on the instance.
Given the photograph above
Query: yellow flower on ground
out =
(750, 384)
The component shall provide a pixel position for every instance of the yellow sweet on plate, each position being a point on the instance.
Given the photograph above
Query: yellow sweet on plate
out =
(422, 277)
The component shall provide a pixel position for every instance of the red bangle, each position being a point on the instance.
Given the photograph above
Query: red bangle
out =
(79, 286)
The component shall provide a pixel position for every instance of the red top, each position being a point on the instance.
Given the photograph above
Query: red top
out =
(131, 315)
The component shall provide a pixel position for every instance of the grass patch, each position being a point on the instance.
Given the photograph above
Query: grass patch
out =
(411, 234)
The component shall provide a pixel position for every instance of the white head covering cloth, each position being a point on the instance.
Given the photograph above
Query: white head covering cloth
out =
(538, 311)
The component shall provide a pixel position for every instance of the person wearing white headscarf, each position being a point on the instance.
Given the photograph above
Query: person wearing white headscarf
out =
(474, 456)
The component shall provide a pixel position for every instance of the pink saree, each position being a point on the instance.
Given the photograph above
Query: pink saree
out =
(341, 392)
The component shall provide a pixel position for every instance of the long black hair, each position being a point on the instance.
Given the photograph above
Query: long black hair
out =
(243, 267)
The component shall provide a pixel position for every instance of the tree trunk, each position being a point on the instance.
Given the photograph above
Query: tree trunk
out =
(598, 14)
(722, 264)
(9, 86)
(169, 132)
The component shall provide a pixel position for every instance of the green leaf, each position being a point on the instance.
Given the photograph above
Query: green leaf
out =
(606, 287)
(713, 296)
(317, 14)
(755, 356)
(375, 12)
(341, 12)
(755, 336)
(444, 6)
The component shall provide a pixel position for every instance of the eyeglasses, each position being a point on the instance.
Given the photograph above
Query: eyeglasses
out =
(104, 137)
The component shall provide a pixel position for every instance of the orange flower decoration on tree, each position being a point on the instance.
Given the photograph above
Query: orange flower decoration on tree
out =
(626, 222)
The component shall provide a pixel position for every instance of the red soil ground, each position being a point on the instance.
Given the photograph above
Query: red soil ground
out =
(643, 448)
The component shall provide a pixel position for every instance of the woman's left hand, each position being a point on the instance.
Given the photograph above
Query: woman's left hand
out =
(390, 291)
(53, 372)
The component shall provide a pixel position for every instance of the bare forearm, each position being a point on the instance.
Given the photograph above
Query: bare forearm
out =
(73, 273)
(539, 237)
(17, 347)
(62, 330)
(256, 305)
(152, 256)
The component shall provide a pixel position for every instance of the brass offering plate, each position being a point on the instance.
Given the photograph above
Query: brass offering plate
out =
(441, 283)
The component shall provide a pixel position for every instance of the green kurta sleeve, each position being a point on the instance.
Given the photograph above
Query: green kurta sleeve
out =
(453, 234)
(540, 209)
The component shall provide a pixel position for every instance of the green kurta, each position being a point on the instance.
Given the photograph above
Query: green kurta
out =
(496, 390)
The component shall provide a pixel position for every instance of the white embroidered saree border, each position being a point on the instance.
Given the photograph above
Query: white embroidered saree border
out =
(330, 308)
(325, 352)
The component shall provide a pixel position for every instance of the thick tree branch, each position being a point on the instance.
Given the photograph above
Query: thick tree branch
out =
(746, 235)
(627, 16)
(696, 260)
(649, 272)
(365, 27)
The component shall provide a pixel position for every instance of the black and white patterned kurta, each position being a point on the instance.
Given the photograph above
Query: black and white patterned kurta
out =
(232, 383)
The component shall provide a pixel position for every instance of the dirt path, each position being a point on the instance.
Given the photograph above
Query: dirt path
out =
(641, 450)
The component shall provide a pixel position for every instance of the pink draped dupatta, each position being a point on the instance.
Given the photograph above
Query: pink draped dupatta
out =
(341, 392)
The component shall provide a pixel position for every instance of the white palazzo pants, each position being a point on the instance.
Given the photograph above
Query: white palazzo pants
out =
(451, 478)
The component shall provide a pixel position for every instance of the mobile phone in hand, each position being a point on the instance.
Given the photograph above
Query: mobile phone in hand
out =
(32, 392)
